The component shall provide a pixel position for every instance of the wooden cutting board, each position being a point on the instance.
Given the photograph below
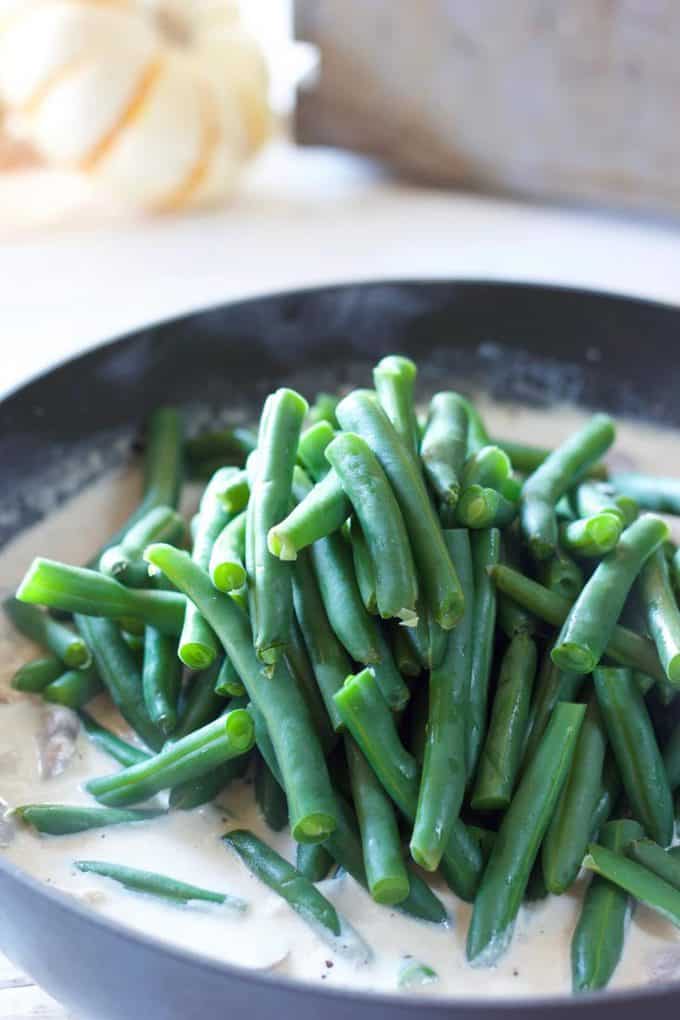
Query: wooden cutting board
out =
(550, 98)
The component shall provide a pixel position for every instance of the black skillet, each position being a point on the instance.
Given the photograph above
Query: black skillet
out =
(533, 344)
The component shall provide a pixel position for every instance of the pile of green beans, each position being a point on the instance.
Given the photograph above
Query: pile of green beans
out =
(428, 647)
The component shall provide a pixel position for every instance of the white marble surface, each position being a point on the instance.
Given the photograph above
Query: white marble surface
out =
(72, 275)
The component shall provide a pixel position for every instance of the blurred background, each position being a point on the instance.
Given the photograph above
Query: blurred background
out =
(160, 155)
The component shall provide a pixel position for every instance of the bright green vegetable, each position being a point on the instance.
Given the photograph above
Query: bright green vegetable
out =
(526, 458)
(405, 657)
(120, 750)
(489, 467)
(301, 669)
(195, 792)
(597, 942)
(624, 645)
(89, 593)
(228, 683)
(201, 703)
(652, 856)
(602, 497)
(570, 829)
(65, 819)
(193, 756)
(663, 615)
(300, 894)
(74, 688)
(394, 379)
(501, 754)
(386, 874)
(561, 574)
(520, 835)
(442, 782)
(671, 758)
(270, 798)
(637, 753)
(55, 637)
(363, 567)
(610, 792)
(323, 409)
(376, 507)
(227, 557)
(297, 749)
(124, 561)
(659, 494)
(552, 685)
(313, 861)
(361, 413)
(485, 553)
(235, 492)
(158, 885)
(480, 507)
(414, 973)
(555, 476)
(592, 536)
(229, 446)
(443, 448)
(636, 880)
(161, 679)
(322, 512)
(33, 677)
(312, 449)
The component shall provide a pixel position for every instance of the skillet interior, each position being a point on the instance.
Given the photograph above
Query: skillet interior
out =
(534, 344)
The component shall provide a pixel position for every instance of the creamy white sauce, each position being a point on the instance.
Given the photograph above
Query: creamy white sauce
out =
(187, 845)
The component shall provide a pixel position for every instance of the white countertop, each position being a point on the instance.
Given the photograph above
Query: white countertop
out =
(307, 217)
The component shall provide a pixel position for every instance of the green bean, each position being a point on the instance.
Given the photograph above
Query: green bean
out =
(229, 445)
(135, 643)
(158, 885)
(485, 553)
(65, 819)
(597, 942)
(322, 512)
(120, 675)
(270, 798)
(536, 889)
(592, 536)
(601, 497)
(228, 683)
(488, 467)
(501, 754)
(330, 662)
(405, 657)
(272, 603)
(33, 677)
(300, 666)
(663, 615)
(161, 679)
(201, 703)
(195, 792)
(414, 973)
(513, 619)
(394, 379)
(124, 561)
(570, 829)
(416, 733)
(443, 448)
(442, 783)
(89, 593)
(300, 894)
(485, 839)
(674, 568)
(119, 750)
(639, 882)
(162, 470)
(235, 492)
(441, 587)
(480, 507)
(520, 835)
(363, 567)
(312, 449)
(354, 627)
(591, 621)
(650, 493)
(55, 637)
(552, 686)
(371, 723)
(637, 753)
(313, 861)
(526, 458)
(386, 873)
(652, 856)
(74, 688)
(323, 409)
(188, 758)
(227, 557)
(478, 435)
(198, 646)
(265, 745)
(610, 792)
(561, 574)
(374, 503)
(671, 757)
(297, 749)
(345, 848)
(554, 477)
(624, 645)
